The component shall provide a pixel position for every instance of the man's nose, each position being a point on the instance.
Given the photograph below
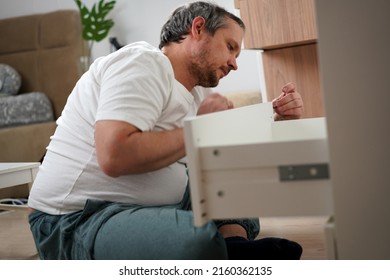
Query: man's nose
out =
(233, 64)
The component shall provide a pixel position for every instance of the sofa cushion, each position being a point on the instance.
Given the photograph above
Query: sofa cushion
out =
(10, 80)
(26, 108)
(45, 49)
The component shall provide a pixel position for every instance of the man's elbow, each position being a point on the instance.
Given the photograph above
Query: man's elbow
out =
(110, 168)
(111, 163)
(115, 167)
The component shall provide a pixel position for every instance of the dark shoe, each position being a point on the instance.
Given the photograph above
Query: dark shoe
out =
(270, 248)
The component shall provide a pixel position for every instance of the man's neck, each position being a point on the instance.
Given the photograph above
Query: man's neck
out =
(178, 59)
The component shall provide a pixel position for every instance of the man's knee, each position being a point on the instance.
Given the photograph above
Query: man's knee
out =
(205, 243)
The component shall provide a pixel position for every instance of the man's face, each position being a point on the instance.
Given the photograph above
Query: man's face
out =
(216, 55)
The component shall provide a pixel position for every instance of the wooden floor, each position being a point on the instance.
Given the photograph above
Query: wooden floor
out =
(16, 242)
(307, 231)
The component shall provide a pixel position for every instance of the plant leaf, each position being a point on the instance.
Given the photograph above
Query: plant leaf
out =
(95, 26)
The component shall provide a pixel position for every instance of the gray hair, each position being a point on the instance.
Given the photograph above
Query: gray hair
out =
(180, 22)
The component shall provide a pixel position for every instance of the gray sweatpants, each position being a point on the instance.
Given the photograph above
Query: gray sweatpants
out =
(110, 230)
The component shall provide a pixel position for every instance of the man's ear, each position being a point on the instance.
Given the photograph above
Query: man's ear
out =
(198, 27)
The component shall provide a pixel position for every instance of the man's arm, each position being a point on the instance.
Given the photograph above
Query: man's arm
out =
(123, 149)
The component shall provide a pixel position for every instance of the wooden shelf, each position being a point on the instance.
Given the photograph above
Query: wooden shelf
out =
(286, 31)
(278, 23)
(299, 65)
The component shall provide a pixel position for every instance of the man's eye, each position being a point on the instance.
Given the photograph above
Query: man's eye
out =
(230, 47)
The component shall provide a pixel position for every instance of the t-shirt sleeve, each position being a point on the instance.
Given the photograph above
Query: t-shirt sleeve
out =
(134, 88)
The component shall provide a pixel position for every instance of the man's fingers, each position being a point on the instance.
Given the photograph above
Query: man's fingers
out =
(288, 88)
(288, 98)
(290, 102)
(230, 104)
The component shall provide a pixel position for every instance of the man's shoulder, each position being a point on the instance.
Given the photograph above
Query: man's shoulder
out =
(141, 47)
(140, 54)
(145, 53)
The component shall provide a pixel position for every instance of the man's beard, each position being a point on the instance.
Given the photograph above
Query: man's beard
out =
(203, 72)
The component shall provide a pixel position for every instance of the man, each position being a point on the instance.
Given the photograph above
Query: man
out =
(112, 185)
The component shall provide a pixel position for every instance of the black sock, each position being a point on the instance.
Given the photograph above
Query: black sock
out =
(270, 248)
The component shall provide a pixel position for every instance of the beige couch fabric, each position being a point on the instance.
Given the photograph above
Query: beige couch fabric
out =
(45, 50)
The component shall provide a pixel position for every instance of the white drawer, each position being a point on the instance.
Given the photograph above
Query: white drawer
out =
(243, 164)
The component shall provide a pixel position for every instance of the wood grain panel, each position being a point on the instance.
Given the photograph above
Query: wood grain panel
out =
(278, 23)
(307, 231)
(299, 65)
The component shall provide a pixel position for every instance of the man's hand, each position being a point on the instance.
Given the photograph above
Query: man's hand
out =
(288, 105)
(213, 103)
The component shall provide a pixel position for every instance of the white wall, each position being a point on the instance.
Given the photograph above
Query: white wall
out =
(141, 20)
(354, 52)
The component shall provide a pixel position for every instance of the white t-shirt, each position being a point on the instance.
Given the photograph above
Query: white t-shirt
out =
(135, 84)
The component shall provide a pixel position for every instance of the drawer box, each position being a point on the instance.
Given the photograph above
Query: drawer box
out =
(243, 164)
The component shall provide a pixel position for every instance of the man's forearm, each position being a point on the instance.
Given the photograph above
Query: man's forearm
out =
(123, 149)
(154, 150)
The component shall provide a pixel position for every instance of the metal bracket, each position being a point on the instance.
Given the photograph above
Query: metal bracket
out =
(303, 172)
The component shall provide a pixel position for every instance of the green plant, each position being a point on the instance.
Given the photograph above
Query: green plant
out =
(94, 22)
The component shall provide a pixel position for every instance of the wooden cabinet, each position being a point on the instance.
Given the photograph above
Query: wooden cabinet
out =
(300, 65)
(286, 32)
